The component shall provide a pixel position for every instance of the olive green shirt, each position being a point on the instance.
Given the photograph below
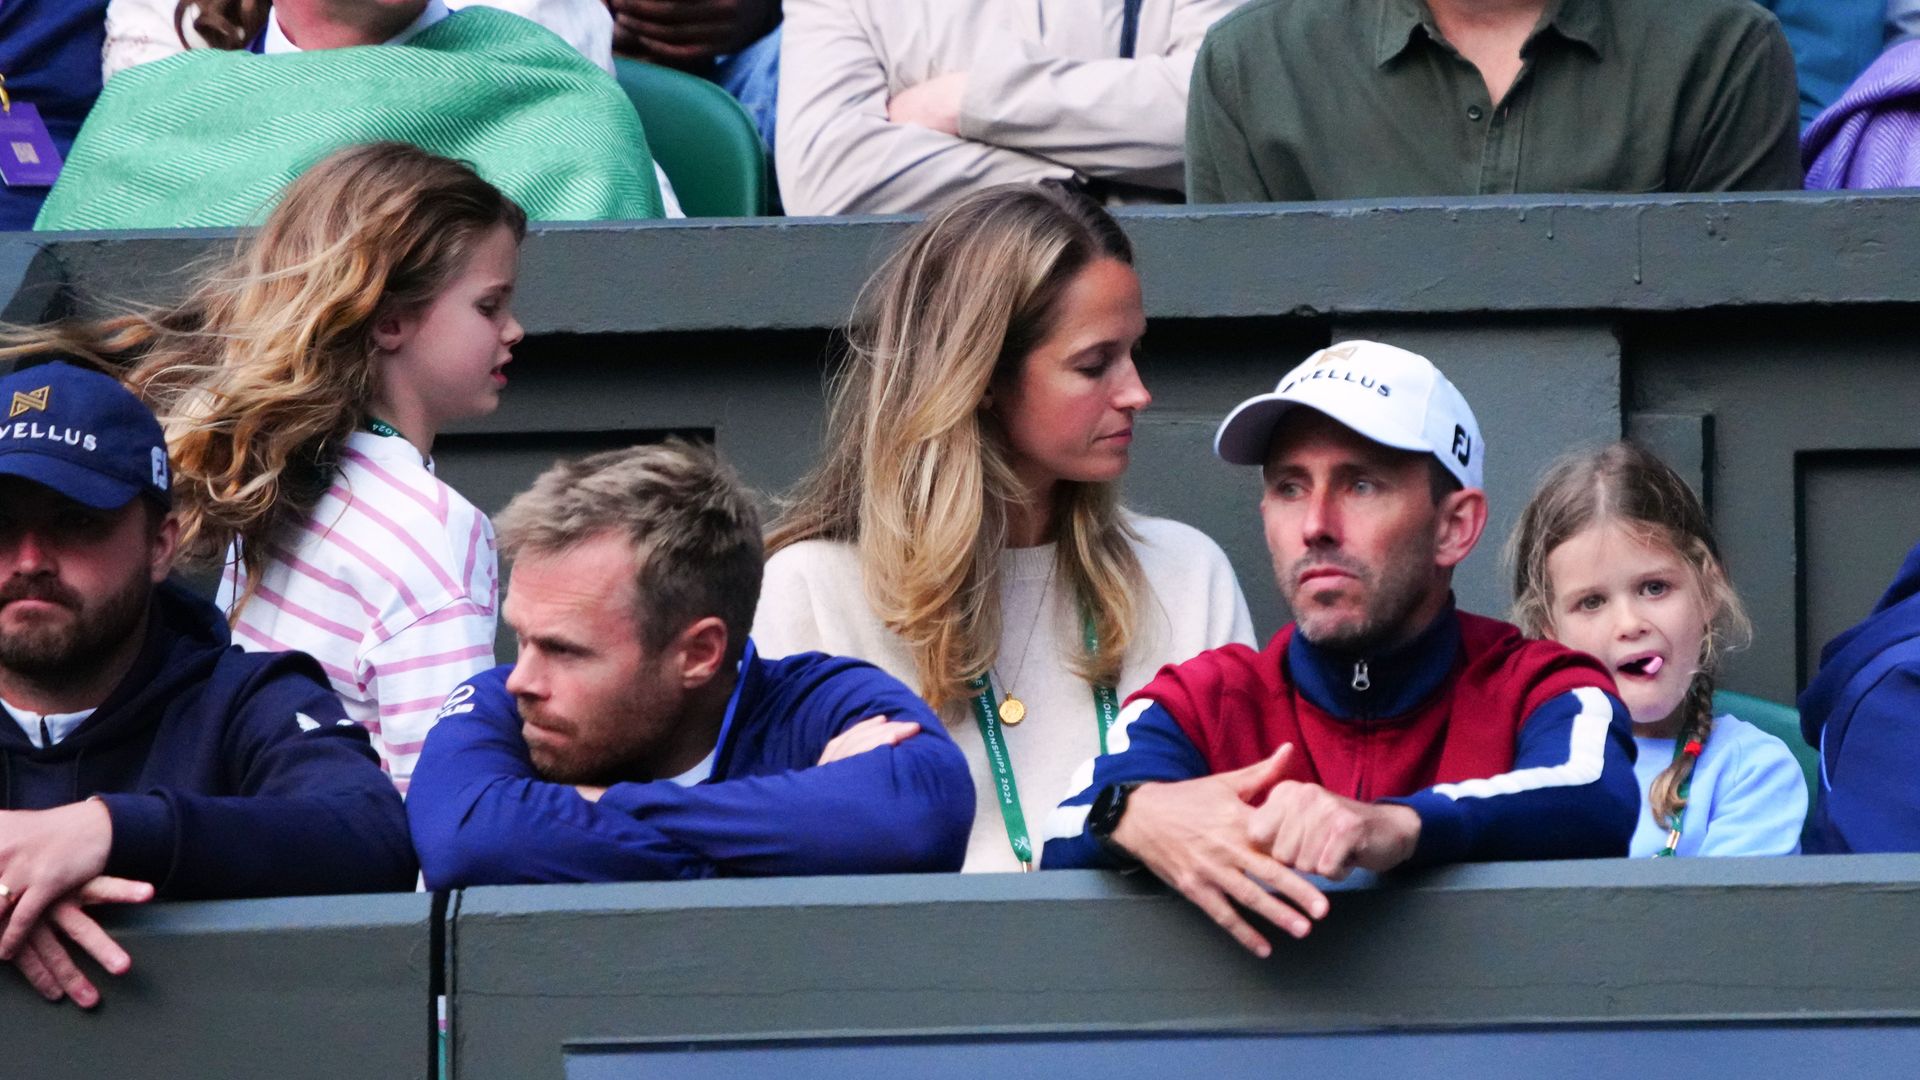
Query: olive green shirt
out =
(1349, 99)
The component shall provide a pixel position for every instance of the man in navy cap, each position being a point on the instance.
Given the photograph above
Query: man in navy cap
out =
(141, 752)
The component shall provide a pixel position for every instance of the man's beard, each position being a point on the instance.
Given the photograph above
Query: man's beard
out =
(551, 766)
(54, 655)
(1392, 595)
(573, 761)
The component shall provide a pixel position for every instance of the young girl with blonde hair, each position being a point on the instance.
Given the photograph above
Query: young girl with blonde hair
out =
(1614, 557)
(302, 385)
(964, 532)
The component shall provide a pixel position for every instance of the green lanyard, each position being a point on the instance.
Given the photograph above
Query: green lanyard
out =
(1106, 706)
(382, 428)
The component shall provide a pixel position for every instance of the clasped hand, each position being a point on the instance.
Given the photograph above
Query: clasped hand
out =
(1246, 837)
(53, 863)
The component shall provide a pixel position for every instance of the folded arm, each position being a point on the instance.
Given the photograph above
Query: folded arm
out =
(893, 809)
(310, 811)
(1110, 117)
(481, 815)
(838, 153)
(1571, 793)
(1190, 828)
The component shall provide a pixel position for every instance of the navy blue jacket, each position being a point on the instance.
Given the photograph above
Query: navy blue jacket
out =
(1862, 711)
(227, 773)
(1506, 748)
(50, 55)
(482, 816)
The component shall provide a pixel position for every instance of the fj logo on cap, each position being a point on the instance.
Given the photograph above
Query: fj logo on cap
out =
(1462, 444)
(29, 401)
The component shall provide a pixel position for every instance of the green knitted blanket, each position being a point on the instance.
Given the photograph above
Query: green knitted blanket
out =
(210, 138)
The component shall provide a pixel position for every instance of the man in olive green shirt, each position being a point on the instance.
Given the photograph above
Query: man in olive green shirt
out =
(1349, 99)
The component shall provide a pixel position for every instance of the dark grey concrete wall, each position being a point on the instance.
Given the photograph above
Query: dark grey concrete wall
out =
(1746, 336)
(333, 988)
(540, 972)
(543, 980)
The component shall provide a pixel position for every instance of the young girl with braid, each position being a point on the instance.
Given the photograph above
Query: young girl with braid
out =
(302, 385)
(1614, 557)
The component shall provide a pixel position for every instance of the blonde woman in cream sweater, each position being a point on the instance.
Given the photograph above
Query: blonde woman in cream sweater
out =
(964, 532)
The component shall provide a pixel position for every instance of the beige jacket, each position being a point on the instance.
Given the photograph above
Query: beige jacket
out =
(1047, 96)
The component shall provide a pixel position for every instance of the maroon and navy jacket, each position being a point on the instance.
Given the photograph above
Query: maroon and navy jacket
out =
(1506, 748)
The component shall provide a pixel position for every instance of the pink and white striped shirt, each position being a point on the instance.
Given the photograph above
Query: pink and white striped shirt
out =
(392, 584)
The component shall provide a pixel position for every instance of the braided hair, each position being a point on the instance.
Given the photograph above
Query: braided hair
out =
(1625, 484)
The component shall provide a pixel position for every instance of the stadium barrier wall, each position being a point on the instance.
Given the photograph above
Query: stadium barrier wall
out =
(339, 988)
(1704, 968)
(1695, 967)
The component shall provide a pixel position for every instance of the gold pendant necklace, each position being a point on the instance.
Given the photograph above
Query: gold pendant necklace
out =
(1012, 710)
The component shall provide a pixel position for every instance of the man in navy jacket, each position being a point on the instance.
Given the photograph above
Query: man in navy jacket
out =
(1862, 712)
(638, 736)
(140, 751)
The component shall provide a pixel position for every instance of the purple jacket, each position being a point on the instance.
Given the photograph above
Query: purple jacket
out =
(1870, 138)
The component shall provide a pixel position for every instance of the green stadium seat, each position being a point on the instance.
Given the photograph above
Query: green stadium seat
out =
(702, 138)
(1780, 721)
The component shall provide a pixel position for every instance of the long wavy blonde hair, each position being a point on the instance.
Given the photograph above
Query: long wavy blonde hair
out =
(263, 371)
(917, 471)
(1625, 484)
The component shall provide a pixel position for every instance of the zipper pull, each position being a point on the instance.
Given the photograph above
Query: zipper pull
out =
(1360, 679)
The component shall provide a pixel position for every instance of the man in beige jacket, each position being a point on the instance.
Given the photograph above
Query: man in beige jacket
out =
(898, 105)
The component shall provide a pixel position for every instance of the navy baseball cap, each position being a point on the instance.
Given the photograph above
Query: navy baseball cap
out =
(84, 435)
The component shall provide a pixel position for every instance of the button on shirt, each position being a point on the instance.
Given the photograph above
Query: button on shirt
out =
(1342, 99)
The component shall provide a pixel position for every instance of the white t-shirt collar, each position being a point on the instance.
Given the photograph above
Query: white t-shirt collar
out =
(57, 726)
(701, 772)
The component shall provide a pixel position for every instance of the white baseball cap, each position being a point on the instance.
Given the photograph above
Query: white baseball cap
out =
(1389, 395)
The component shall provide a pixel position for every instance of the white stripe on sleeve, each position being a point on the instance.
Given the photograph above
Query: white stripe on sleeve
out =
(1067, 822)
(1586, 758)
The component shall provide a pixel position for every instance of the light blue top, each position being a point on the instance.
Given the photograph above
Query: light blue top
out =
(1748, 796)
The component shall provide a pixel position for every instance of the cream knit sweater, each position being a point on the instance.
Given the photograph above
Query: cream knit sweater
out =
(814, 599)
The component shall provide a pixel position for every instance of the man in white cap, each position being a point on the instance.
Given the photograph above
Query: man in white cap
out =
(1383, 726)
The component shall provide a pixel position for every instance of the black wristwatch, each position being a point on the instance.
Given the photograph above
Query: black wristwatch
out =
(1104, 817)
